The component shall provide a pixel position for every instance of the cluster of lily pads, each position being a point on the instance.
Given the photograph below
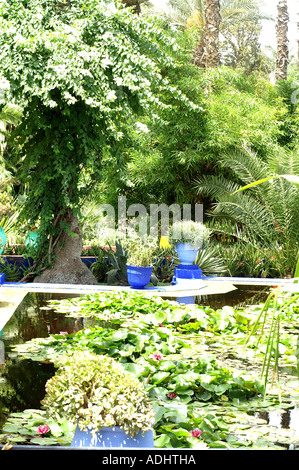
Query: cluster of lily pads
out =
(175, 350)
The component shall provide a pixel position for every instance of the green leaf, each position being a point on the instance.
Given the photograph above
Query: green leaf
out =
(162, 441)
(159, 377)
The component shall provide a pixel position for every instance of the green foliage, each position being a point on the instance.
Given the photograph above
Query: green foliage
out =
(23, 428)
(117, 265)
(276, 311)
(287, 90)
(82, 72)
(95, 391)
(265, 215)
(141, 251)
(12, 271)
(236, 109)
(211, 262)
(248, 258)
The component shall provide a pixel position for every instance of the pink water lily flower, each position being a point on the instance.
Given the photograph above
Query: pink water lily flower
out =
(196, 432)
(157, 356)
(43, 429)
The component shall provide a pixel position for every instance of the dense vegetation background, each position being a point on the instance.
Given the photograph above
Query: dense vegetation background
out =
(228, 123)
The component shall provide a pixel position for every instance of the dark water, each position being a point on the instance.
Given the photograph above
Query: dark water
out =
(22, 381)
(243, 295)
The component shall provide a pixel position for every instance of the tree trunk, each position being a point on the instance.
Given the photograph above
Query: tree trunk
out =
(199, 54)
(282, 41)
(68, 267)
(133, 3)
(213, 19)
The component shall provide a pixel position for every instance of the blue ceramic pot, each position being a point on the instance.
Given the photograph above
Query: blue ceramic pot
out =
(2, 240)
(111, 437)
(187, 253)
(139, 276)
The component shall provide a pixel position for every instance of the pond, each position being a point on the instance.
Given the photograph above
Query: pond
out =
(22, 381)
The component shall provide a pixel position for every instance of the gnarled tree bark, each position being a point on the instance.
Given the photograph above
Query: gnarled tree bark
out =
(282, 41)
(213, 19)
(68, 267)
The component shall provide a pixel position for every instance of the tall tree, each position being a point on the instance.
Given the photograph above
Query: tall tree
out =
(282, 41)
(212, 25)
(83, 72)
(135, 4)
(234, 14)
(241, 47)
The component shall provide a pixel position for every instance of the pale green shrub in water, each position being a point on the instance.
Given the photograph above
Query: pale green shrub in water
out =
(96, 391)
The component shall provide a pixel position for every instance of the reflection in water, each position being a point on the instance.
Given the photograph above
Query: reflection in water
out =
(287, 420)
(22, 382)
(243, 295)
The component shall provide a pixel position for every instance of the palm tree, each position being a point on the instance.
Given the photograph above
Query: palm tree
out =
(266, 213)
(10, 115)
(183, 14)
(282, 40)
(135, 4)
(212, 26)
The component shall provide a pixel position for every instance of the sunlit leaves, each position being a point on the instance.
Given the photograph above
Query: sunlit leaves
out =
(82, 73)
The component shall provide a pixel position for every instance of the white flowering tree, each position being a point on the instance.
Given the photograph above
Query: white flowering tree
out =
(82, 71)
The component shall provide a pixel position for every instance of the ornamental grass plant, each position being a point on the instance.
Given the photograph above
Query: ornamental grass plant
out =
(95, 391)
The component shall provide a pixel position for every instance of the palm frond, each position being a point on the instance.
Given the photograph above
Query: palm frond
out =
(284, 162)
(245, 211)
(214, 186)
(246, 165)
(11, 114)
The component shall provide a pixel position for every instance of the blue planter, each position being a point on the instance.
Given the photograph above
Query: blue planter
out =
(112, 437)
(139, 276)
(187, 253)
(2, 278)
(2, 240)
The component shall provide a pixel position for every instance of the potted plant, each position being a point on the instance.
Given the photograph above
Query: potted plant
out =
(188, 237)
(140, 261)
(108, 403)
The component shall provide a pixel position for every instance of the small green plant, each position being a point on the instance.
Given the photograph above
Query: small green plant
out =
(141, 251)
(11, 271)
(116, 272)
(187, 231)
(210, 262)
(96, 391)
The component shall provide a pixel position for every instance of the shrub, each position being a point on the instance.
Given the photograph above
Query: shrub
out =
(96, 391)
